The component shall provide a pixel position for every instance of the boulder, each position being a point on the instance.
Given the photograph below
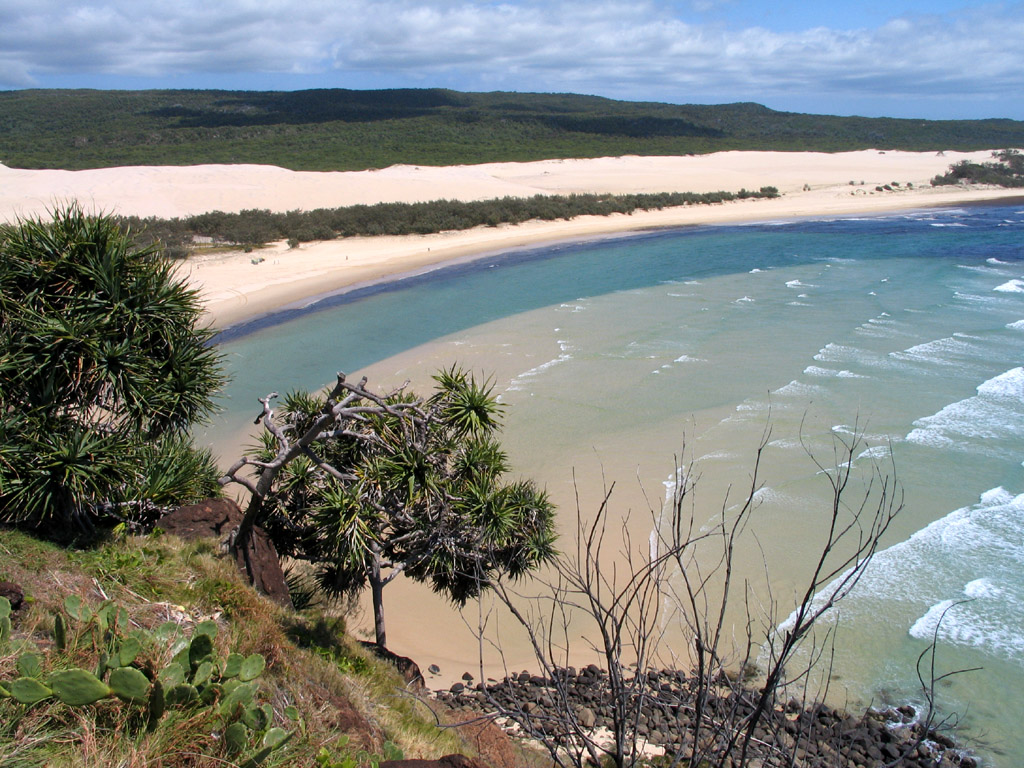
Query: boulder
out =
(407, 668)
(218, 518)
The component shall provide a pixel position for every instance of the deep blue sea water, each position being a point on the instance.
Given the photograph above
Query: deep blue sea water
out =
(908, 328)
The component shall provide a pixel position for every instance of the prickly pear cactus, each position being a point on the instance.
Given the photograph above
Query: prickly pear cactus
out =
(76, 687)
(28, 690)
(195, 677)
(60, 632)
(129, 684)
(5, 621)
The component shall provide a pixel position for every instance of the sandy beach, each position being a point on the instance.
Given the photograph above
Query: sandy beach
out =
(235, 289)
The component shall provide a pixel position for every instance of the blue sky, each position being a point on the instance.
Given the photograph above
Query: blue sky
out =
(899, 58)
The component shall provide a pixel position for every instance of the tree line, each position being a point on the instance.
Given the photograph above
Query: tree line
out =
(337, 129)
(255, 227)
(1005, 170)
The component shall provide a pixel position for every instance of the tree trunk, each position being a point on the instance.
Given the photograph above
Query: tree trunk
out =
(377, 592)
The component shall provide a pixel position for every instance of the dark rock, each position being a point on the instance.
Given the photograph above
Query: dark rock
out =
(407, 668)
(14, 593)
(434, 669)
(942, 740)
(457, 688)
(466, 676)
(213, 518)
(218, 519)
(586, 717)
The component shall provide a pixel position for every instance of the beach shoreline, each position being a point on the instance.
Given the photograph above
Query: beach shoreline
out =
(238, 287)
(306, 275)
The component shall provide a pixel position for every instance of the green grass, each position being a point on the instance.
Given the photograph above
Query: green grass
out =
(356, 130)
(312, 665)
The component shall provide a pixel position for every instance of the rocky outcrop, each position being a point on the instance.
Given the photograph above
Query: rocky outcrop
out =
(218, 518)
(814, 735)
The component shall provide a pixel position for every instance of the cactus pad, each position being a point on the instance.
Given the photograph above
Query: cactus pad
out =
(233, 665)
(30, 665)
(252, 667)
(236, 736)
(77, 687)
(129, 684)
(28, 690)
(129, 650)
(200, 647)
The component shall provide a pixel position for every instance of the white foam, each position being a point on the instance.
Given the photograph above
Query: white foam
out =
(798, 389)
(755, 270)
(516, 384)
(938, 351)
(1011, 286)
(840, 353)
(798, 284)
(814, 370)
(981, 588)
(994, 260)
(1005, 385)
(994, 414)
(982, 269)
(876, 452)
(1017, 326)
(743, 299)
(957, 579)
(688, 359)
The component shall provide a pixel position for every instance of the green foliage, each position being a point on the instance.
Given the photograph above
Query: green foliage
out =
(103, 367)
(355, 130)
(262, 226)
(196, 679)
(417, 487)
(1006, 170)
(76, 687)
(353, 758)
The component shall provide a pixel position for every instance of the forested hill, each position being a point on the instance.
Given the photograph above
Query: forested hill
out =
(355, 130)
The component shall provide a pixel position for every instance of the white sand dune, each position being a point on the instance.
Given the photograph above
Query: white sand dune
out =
(235, 289)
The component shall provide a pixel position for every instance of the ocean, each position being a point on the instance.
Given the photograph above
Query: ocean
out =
(620, 357)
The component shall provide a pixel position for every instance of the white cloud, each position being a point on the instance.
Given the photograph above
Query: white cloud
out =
(604, 46)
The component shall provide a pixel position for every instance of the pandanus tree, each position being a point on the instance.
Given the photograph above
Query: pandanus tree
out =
(366, 486)
(104, 364)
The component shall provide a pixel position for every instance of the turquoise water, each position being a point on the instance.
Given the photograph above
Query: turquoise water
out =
(616, 356)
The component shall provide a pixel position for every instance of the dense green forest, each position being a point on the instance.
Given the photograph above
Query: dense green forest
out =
(355, 130)
(256, 227)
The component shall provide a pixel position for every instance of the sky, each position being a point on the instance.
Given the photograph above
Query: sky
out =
(929, 59)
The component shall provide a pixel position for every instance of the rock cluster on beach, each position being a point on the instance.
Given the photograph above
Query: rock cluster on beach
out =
(810, 736)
